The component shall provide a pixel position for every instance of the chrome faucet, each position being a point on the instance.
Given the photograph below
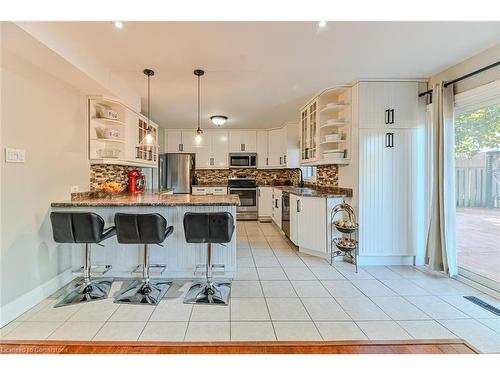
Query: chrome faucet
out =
(301, 183)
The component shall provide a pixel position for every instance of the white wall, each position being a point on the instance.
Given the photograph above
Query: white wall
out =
(475, 62)
(45, 116)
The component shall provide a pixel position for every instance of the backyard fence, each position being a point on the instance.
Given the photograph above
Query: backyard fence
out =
(472, 188)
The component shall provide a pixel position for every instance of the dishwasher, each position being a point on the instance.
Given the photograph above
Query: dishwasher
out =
(285, 213)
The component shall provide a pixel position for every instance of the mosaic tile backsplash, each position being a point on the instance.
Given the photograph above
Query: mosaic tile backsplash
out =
(326, 176)
(101, 173)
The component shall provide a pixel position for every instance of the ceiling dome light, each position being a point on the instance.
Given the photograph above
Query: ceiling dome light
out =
(218, 120)
(321, 23)
(118, 24)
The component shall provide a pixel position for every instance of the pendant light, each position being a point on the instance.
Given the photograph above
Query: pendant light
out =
(199, 73)
(149, 138)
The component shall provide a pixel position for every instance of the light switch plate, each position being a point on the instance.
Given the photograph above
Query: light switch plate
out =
(14, 155)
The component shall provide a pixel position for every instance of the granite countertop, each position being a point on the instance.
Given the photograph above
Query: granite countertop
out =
(149, 199)
(334, 192)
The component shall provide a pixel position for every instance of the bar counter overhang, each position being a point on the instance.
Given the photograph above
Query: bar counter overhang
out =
(181, 259)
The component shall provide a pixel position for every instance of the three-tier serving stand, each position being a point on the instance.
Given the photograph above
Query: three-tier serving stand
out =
(348, 244)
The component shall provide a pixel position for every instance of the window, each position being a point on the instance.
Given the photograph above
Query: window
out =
(309, 173)
(477, 179)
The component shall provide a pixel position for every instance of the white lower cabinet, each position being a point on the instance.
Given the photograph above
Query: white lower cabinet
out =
(209, 190)
(265, 203)
(277, 195)
(294, 218)
(312, 231)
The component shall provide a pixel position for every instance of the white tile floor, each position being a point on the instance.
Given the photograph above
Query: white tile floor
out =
(279, 294)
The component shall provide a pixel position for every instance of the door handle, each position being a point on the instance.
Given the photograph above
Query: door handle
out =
(387, 143)
(280, 160)
(180, 147)
(267, 161)
(284, 159)
(298, 205)
(392, 116)
(242, 147)
(391, 137)
(212, 161)
(386, 116)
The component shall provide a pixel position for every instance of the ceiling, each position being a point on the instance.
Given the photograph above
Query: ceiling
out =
(260, 73)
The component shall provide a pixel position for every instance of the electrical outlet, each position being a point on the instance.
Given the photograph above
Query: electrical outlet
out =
(13, 155)
(74, 189)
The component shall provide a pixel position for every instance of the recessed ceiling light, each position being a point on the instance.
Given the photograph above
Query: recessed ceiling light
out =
(218, 120)
(118, 24)
(321, 23)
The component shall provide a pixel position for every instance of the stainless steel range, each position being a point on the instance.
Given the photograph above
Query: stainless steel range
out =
(246, 188)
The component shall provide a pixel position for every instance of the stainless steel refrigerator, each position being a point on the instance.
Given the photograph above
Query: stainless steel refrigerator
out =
(175, 171)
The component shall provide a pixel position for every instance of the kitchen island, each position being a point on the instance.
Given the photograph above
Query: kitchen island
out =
(179, 257)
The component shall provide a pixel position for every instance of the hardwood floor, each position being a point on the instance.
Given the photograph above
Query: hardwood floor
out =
(299, 347)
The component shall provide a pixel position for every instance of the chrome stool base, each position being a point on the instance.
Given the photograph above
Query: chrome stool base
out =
(211, 293)
(143, 292)
(96, 289)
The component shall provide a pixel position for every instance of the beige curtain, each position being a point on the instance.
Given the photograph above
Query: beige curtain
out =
(441, 243)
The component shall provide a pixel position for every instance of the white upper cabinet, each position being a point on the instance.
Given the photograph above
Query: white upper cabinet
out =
(325, 128)
(262, 149)
(276, 148)
(211, 150)
(388, 104)
(174, 141)
(243, 141)
(220, 149)
(115, 132)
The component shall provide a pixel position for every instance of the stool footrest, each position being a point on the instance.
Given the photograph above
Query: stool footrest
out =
(97, 270)
(217, 269)
(155, 270)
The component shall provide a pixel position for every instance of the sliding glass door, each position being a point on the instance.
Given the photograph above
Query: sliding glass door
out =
(477, 156)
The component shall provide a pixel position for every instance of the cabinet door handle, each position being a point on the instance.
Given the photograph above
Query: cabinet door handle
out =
(392, 116)
(259, 192)
(280, 160)
(267, 161)
(284, 159)
(391, 139)
(298, 205)
(212, 161)
(180, 147)
(387, 139)
(242, 147)
(386, 116)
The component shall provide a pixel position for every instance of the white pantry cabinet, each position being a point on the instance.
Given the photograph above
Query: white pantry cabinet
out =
(393, 105)
(243, 141)
(265, 202)
(390, 191)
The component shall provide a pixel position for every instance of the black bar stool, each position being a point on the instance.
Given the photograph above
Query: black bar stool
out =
(86, 228)
(143, 229)
(209, 227)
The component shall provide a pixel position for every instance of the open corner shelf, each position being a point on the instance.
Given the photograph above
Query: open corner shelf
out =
(107, 140)
(108, 121)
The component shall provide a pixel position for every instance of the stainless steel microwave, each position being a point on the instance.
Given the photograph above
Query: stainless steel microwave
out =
(243, 160)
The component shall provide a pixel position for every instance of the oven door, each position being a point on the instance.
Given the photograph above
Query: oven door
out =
(248, 199)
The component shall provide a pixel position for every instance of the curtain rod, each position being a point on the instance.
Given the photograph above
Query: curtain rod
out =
(447, 83)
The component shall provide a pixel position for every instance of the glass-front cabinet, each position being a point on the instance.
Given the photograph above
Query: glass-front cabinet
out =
(309, 132)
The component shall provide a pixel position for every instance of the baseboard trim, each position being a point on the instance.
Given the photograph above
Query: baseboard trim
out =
(25, 302)
(386, 260)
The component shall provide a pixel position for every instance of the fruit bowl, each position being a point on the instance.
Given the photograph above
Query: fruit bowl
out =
(112, 187)
(345, 244)
(345, 226)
